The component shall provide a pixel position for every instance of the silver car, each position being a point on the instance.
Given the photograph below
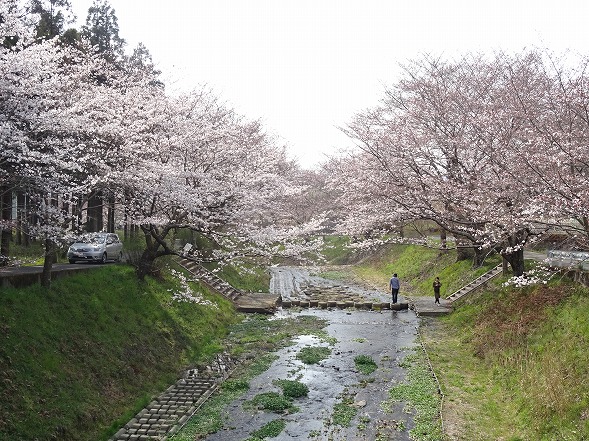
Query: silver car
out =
(96, 247)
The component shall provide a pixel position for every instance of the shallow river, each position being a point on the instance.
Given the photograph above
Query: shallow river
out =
(386, 336)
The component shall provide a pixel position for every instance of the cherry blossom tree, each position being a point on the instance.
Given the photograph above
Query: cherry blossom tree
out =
(40, 147)
(552, 99)
(441, 147)
(200, 167)
(74, 125)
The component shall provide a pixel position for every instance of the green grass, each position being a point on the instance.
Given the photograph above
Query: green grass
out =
(292, 389)
(417, 268)
(336, 252)
(250, 279)
(80, 359)
(235, 385)
(268, 430)
(365, 364)
(344, 411)
(272, 402)
(313, 354)
(513, 364)
(422, 398)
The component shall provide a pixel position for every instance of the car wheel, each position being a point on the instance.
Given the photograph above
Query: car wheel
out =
(103, 258)
(120, 258)
(72, 261)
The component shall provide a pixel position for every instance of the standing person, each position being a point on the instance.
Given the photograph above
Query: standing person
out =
(437, 285)
(395, 285)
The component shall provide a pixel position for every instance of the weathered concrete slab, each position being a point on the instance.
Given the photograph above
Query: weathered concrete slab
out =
(262, 303)
(426, 306)
(21, 276)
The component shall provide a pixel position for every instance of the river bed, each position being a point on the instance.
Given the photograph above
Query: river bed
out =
(385, 336)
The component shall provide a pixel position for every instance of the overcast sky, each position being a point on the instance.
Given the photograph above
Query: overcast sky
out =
(305, 67)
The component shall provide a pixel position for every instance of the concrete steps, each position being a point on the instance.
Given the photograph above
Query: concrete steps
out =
(166, 414)
(338, 304)
(482, 279)
(261, 303)
(208, 278)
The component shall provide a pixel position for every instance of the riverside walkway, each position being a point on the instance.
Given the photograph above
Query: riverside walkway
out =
(21, 276)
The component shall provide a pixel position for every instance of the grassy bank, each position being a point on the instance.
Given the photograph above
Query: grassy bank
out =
(417, 268)
(511, 361)
(79, 360)
(513, 364)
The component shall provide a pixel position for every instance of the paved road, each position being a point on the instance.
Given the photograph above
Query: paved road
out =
(37, 269)
(27, 275)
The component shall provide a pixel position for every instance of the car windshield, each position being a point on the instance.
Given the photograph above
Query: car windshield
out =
(93, 239)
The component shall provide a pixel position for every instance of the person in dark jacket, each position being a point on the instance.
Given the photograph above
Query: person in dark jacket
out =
(437, 285)
(394, 284)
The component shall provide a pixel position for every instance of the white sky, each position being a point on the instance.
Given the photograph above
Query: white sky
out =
(306, 66)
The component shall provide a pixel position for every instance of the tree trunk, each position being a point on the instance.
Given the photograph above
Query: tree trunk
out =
(77, 212)
(155, 246)
(463, 250)
(146, 265)
(48, 263)
(6, 215)
(516, 260)
(21, 217)
(95, 221)
(111, 214)
(515, 256)
(478, 257)
(32, 219)
(585, 222)
(126, 224)
(443, 240)
(504, 265)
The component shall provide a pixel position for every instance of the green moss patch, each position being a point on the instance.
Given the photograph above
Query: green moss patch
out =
(365, 364)
(313, 354)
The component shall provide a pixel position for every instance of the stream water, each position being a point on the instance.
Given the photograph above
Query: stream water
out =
(385, 336)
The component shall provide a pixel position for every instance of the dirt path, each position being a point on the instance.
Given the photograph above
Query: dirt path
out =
(386, 337)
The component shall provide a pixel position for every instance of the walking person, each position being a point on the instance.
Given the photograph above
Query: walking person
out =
(437, 284)
(394, 285)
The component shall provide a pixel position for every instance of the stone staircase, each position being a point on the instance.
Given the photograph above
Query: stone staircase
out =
(261, 303)
(482, 279)
(166, 414)
(209, 279)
